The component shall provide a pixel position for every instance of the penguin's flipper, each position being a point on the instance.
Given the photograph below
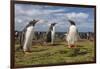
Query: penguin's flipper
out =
(48, 39)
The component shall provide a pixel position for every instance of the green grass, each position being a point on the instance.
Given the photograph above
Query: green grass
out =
(59, 53)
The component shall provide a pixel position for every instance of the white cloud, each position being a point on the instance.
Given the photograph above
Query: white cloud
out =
(24, 14)
(79, 17)
(82, 15)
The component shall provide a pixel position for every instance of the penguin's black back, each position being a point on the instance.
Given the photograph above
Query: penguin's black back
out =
(48, 39)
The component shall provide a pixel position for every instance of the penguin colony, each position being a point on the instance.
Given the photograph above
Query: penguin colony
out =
(26, 36)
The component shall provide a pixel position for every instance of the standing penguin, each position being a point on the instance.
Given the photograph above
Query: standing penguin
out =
(51, 33)
(27, 36)
(72, 36)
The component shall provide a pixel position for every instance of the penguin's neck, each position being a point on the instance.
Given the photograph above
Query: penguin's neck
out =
(53, 29)
(29, 28)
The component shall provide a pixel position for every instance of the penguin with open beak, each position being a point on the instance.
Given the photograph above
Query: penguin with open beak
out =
(27, 36)
(51, 33)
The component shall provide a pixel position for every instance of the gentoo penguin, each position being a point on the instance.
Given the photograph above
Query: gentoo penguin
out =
(72, 35)
(27, 36)
(51, 33)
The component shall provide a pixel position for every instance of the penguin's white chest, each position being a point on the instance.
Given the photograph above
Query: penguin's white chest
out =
(30, 29)
(72, 35)
(28, 38)
(53, 32)
(29, 33)
(72, 30)
(53, 35)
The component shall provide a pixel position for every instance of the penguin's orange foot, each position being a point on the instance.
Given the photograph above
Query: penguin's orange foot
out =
(69, 46)
(72, 46)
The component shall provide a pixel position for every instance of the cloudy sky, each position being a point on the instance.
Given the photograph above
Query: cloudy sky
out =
(24, 13)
